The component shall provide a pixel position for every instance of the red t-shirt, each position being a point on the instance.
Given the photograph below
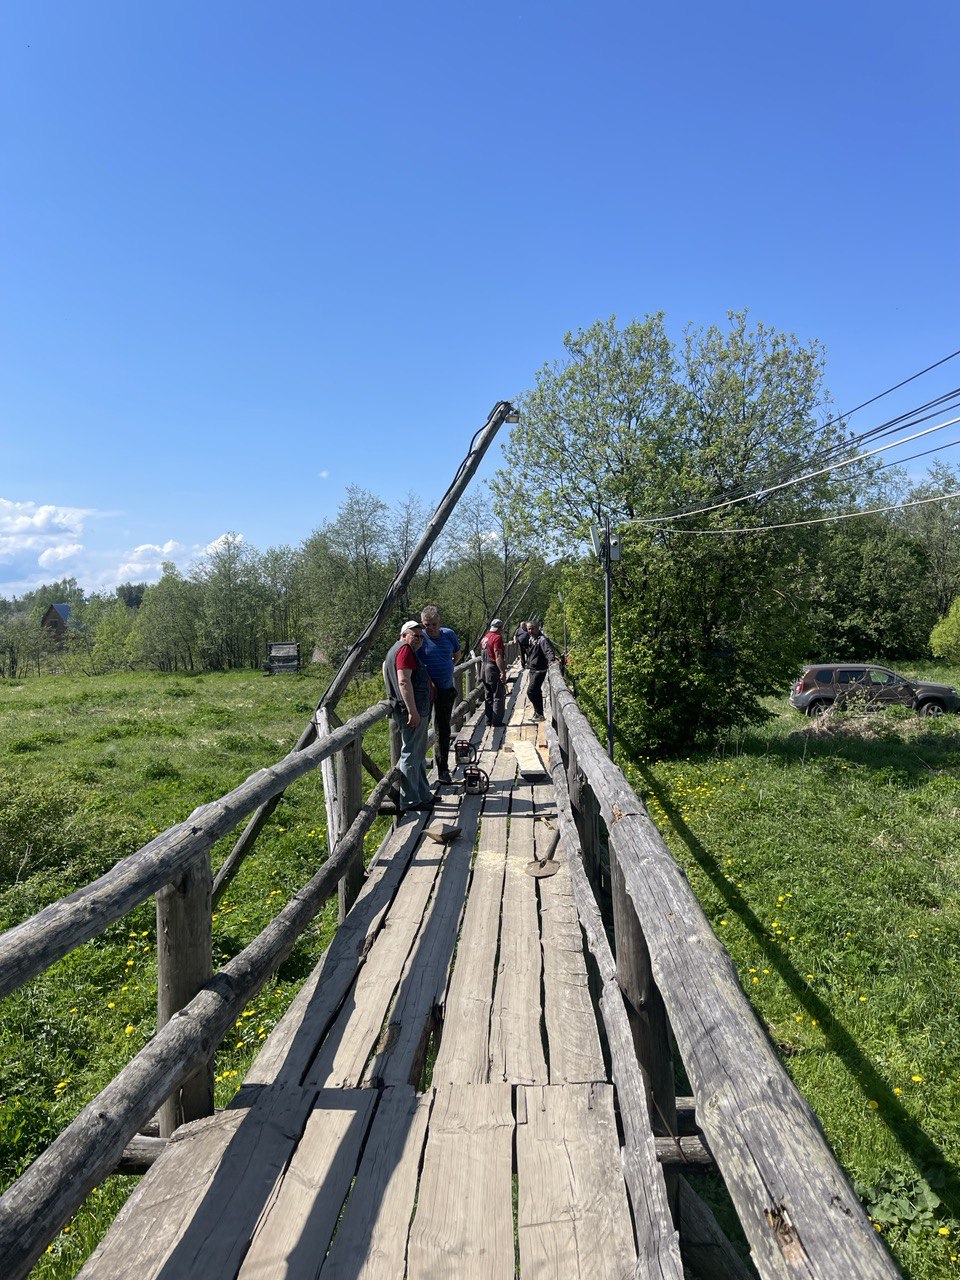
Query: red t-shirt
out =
(406, 659)
(492, 646)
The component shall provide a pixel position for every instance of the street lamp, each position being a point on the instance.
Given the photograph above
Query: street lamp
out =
(607, 550)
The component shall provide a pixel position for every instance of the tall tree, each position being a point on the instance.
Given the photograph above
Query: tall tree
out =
(631, 427)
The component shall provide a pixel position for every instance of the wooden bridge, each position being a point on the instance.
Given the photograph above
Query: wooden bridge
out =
(478, 1078)
(471, 1083)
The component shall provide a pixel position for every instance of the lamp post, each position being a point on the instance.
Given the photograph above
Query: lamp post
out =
(607, 550)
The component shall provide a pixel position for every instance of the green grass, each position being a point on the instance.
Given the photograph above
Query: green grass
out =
(827, 862)
(92, 769)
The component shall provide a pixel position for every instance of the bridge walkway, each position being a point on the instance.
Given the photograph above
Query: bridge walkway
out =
(435, 1103)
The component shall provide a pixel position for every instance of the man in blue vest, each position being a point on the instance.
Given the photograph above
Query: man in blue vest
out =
(440, 653)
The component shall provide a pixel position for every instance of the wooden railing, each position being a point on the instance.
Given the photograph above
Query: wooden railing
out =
(796, 1206)
(173, 1073)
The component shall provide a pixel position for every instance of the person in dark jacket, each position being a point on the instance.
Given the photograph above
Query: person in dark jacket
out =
(539, 656)
(523, 642)
(411, 691)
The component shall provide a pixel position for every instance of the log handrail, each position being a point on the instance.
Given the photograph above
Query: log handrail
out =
(797, 1208)
(33, 946)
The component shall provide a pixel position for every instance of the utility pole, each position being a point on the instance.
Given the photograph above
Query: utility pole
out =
(607, 550)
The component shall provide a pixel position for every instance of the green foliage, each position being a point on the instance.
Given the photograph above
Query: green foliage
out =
(945, 637)
(631, 426)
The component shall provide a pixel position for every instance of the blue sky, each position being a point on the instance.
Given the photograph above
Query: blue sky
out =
(251, 254)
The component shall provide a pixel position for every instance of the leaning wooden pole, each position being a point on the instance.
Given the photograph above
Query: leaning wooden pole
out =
(496, 608)
(500, 412)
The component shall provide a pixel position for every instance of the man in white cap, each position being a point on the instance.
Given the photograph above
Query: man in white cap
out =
(494, 672)
(411, 691)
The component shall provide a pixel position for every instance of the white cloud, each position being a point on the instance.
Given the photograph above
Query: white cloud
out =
(217, 544)
(323, 474)
(56, 555)
(27, 519)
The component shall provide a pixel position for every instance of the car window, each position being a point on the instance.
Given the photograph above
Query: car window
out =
(882, 677)
(825, 677)
(850, 675)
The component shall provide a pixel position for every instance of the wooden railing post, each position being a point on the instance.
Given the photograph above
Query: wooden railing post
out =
(184, 964)
(648, 1018)
(349, 804)
(396, 746)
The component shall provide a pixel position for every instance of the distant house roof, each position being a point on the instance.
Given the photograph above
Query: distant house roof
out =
(63, 610)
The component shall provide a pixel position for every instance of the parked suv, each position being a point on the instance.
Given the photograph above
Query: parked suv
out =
(842, 683)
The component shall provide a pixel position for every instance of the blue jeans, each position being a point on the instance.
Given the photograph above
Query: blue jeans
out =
(414, 787)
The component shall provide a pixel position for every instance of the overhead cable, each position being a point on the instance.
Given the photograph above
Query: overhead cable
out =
(786, 484)
(798, 524)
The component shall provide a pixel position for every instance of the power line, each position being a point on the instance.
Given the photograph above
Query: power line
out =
(874, 433)
(786, 484)
(798, 524)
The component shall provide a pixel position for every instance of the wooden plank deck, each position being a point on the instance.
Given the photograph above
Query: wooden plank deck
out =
(359, 1146)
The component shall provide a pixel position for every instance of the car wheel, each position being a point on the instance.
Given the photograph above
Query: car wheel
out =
(818, 708)
(931, 708)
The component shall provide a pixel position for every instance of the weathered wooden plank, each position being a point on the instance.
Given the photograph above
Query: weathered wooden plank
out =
(797, 1208)
(39, 942)
(371, 1242)
(154, 1216)
(706, 1249)
(516, 1043)
(573, 1216)
(195, 1212)
(293, 1043)
(347, 1046)
(573, 1040)
(464, 1054)
(464, 1221)
(296, 1227)
(528, 760)
(399, 1058)
(659, 1257)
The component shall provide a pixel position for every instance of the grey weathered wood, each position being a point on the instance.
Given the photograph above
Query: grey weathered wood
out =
(659, 1257)
(350, 793)
(184, 965)
(464, 1221)
(528, 760)
(648, 1019)
(158, 1210)
(516, 1046)
(689, 1153)
(399, 1057)
(575, 1055)
(573, 1218)
(141, 1153)
(464, 1054)
(347, 1047)
(297, 1224)
(371, 1241)
(37, 1205)
(292, 1045)
(797, 1208)
(52, 933)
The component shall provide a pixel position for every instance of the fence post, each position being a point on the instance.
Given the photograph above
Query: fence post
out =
(184, 964)
(396, 746)
(350, 802)
(648, 1018)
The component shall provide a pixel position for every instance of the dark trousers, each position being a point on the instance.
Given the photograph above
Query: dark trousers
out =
(443, 700)
(535, 690)
(494, 695)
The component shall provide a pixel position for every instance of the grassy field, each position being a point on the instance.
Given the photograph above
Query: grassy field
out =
(827, 859)
(825, 856)
(93, 768)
